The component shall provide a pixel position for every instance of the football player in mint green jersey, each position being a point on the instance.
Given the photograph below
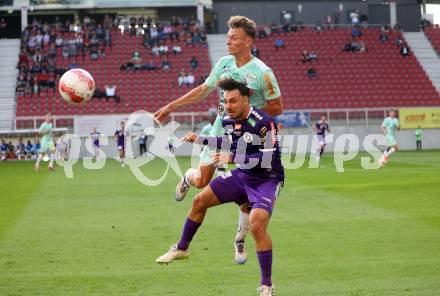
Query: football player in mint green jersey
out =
(45, 131)
(240, 65)
(389, 127)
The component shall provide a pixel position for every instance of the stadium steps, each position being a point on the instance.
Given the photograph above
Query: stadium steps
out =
(426, 55)
(8, 76)
(217, 47)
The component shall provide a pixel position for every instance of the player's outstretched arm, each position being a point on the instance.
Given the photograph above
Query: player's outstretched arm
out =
(193, 96)
(274, 107)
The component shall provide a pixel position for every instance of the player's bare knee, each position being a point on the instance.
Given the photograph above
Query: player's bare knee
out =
(200, 183)
(257, 229)
(199, 202)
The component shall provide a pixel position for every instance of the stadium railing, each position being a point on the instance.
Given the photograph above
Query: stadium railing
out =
(195, 120)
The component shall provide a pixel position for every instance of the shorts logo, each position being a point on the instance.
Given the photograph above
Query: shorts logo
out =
(247, 137)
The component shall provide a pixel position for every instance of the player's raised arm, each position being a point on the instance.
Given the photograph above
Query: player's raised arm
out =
(272, 94)
(193, 96)
(274, 107)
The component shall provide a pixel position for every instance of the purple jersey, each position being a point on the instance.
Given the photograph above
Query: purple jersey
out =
(251, 139)
(321, 128)
(95, 138)
(120, 135)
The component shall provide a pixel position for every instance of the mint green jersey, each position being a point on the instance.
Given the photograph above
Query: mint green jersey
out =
(206, 130)
(391, 125)
(46, 140)
(255, 74)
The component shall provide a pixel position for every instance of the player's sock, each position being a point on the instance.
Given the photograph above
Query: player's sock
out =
(39, 158)
(321, 152)
(52, 159)
(391, 151)
(265, 260)
(243, 226)
(189, 230)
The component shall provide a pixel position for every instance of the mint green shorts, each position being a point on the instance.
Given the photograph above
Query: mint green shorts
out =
(216, 131)
(391, 141)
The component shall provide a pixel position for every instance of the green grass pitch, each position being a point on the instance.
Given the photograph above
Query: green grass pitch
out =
(374, 232)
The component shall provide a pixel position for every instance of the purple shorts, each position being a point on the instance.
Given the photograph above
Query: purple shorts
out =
(236, 186)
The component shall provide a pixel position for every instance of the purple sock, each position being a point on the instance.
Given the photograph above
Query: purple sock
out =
(265, 260)
(189, 230)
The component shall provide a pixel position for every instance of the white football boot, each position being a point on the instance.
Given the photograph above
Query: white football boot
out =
(240, 252)
(173, 254)
(266, 290)
(182, 189)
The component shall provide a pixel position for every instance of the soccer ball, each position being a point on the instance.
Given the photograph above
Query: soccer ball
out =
(76, 86)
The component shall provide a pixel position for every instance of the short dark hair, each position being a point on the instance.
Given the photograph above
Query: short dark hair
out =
(248, 25)
(231, 84)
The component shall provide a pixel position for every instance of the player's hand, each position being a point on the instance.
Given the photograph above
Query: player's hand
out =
(162, 113)
(189, 137)
(220, 158)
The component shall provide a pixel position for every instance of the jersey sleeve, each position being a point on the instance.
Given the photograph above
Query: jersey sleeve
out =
(385, 123)
(43, 128)
(215, 74)
(271, 89)
(205, 130)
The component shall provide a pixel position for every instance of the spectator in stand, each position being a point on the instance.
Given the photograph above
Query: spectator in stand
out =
(10, 153)
(51, 81)
(398, 41)
(3, 25)
(42, 79)
(262, 34)
(135, 60)
(29, 150)
(181, 78)
(163, 49)
(286, 28)
(356, 32)
(255, 51)
(3, 149)
(311, 73)
(279, 43)
(110, 93)
(155, 50)
(313, 56)
(383, 37)
(21, 84)
(404, 51)
(59, 41)
(305, 57)
(177, 49)
(318, 27)
(165, 65)
(65, 51)
(20, 149)
(274, 28)
(194, 63)
(189, 79)
(329, 21)
(107, 22)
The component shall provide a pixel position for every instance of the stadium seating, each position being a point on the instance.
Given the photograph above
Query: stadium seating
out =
(138, 90)
(379, 78)
(433, 34)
